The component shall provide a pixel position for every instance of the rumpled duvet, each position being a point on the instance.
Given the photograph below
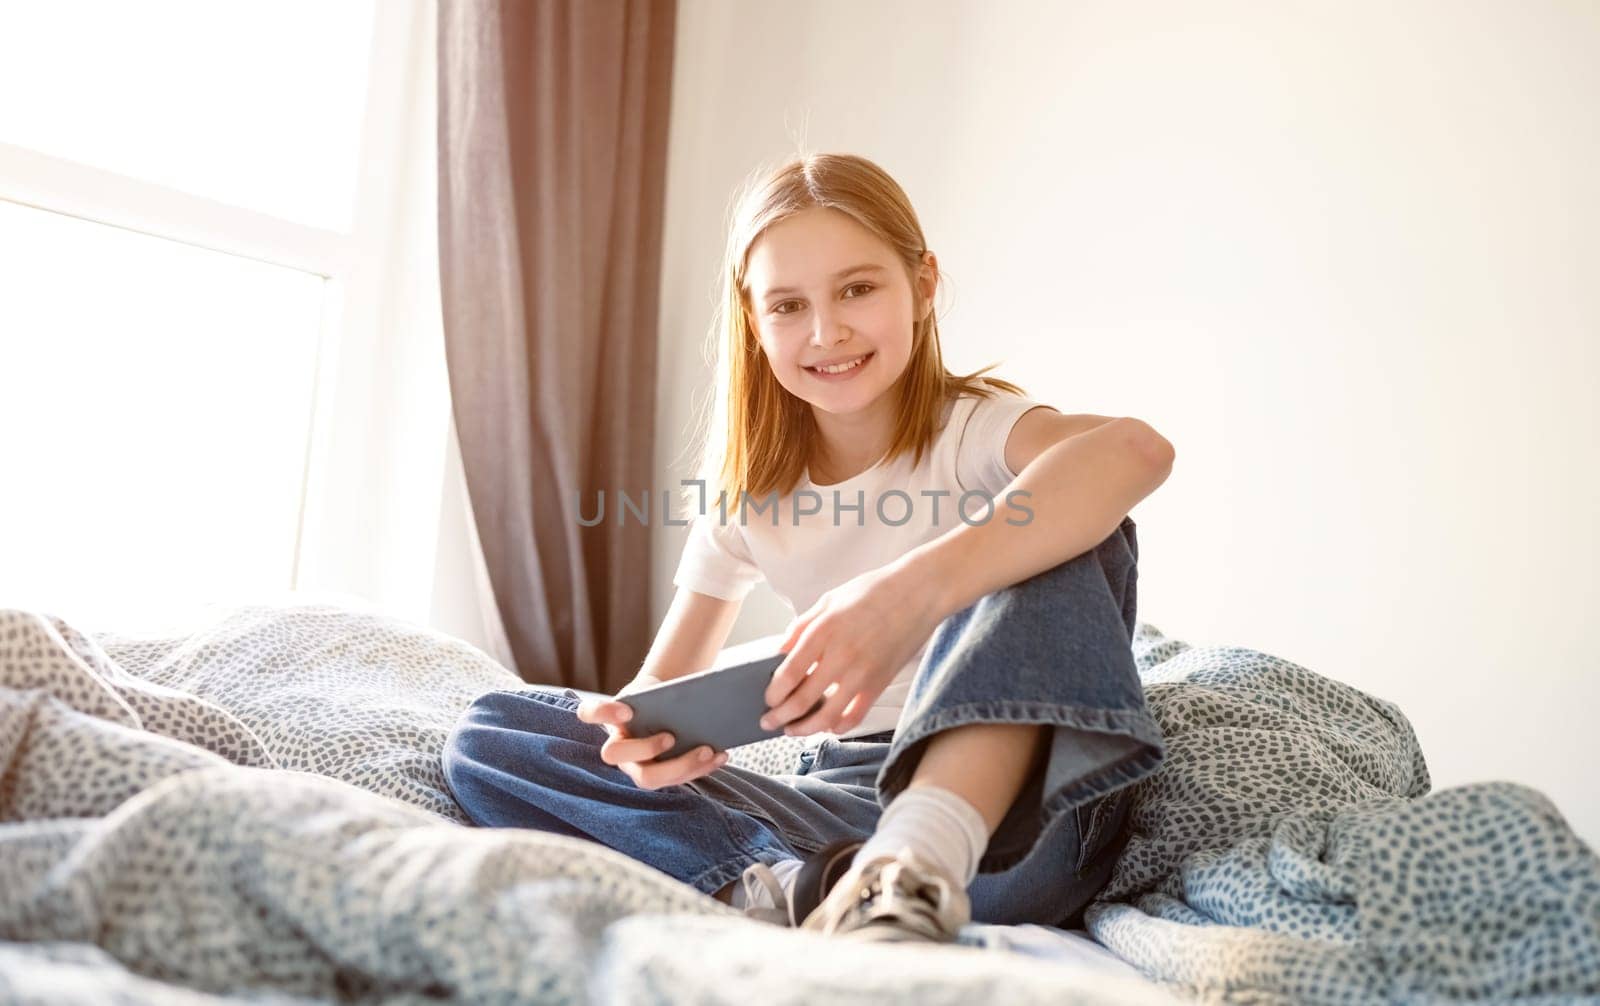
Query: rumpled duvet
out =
(1289, 851)
(254, 811)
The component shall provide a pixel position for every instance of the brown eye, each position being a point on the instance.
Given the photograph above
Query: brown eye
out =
(859, 286)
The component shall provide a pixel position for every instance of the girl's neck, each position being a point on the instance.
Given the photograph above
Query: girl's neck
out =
(849, 444)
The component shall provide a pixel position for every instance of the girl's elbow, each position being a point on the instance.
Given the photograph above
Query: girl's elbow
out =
(1151, 443)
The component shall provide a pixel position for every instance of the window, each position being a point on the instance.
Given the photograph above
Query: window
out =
(256, 105)
(180, 204)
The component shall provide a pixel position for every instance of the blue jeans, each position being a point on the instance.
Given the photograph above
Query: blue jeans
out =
(1054, 649)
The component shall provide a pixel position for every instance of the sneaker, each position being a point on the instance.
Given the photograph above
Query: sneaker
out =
(893, 899)
(809, 887)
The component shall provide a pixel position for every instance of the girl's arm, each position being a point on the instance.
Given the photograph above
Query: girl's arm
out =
(693, 633)
(860, 633)
(1080, 487)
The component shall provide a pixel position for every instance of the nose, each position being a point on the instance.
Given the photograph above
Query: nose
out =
(828, 330)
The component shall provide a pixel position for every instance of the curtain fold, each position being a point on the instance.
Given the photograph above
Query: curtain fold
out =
(552, 162)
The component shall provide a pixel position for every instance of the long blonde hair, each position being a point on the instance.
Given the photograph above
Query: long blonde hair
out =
(758, 436)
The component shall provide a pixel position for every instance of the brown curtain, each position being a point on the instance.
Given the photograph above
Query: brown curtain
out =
(552, 158)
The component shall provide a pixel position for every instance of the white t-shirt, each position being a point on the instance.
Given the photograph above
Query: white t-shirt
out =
(830, 541)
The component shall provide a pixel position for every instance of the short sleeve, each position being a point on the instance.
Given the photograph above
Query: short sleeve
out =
(716, 560)
(981, 453)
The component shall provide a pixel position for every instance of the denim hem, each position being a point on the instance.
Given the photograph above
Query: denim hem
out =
(721, 875)
(565, 698)
(1135, 723)
(1124, 773)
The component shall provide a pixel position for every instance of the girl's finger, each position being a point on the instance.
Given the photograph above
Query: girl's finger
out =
(798, 703)
(820, 719)
(795, 629)
(594, 710)
(690, 765)
(795, 667)
(853, 713)
(604, 711)
(617, 751)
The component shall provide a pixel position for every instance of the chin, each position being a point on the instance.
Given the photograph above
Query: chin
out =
(846, 402)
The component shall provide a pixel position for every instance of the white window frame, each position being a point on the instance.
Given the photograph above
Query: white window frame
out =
(347, 261)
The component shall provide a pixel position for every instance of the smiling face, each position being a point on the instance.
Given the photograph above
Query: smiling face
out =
(825, 290)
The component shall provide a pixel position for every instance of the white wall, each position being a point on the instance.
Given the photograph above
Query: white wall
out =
(1344, 256)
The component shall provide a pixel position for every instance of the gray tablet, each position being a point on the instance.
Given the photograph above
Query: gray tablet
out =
(721, 707)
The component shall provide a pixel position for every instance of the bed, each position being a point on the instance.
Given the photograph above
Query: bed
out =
(252, 809)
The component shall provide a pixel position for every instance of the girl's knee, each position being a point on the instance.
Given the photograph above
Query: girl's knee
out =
(1120, 549)
(466, 746)
(1113, 559)
(1128, 533)
(502, 724)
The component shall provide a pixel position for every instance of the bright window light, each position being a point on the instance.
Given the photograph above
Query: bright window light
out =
(156, 398)
(257, 105)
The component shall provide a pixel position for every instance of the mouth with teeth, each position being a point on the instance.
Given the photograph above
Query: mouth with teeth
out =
(845, 369)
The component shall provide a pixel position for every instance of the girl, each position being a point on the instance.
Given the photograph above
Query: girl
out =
(981, 716)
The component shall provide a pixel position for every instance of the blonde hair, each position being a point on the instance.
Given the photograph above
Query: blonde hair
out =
(758, 436)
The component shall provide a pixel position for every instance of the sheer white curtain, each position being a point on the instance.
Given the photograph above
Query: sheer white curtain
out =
(463, 600)
(387, 517)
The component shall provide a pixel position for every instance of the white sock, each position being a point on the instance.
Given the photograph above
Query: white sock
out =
(937, 825)
(785, 870)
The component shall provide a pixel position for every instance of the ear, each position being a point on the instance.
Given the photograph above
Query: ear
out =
(928, 280)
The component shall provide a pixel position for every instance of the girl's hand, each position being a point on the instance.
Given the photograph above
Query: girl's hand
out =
(633, 754)
(859, 635)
